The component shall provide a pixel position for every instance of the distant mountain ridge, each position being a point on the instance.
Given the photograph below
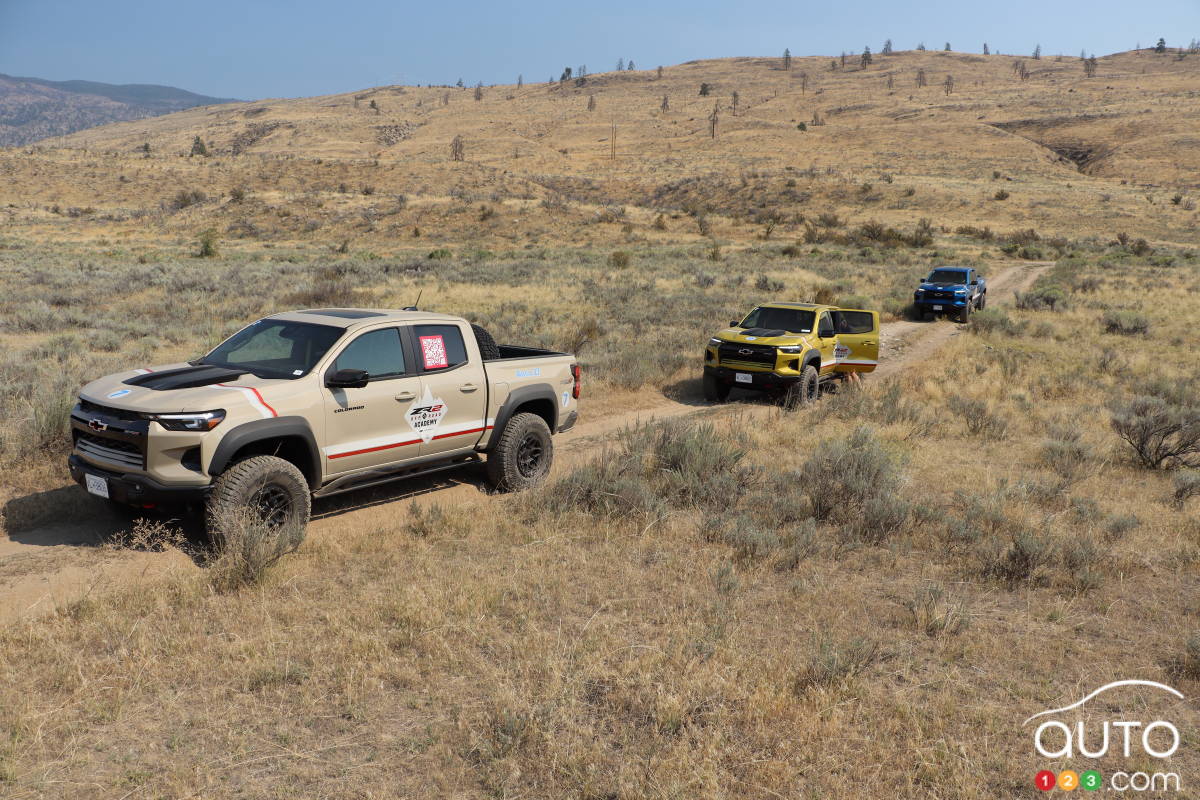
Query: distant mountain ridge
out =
(34, 108)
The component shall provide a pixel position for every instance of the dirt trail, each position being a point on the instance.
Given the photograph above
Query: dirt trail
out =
(46, 568)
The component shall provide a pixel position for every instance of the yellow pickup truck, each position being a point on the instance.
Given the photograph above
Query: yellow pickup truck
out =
(789, 349)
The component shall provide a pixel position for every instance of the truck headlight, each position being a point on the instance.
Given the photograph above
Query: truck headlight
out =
(960, 292)
(792, 349)
(714, 342)
(200, 421)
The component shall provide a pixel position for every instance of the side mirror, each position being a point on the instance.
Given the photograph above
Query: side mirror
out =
(347, 379)
(975, 281)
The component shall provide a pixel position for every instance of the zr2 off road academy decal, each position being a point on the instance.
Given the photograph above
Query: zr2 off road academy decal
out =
(841, 352)
(426, 414)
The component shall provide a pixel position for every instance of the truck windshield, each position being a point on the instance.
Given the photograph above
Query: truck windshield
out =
(947, 276)
(792, 320)
(275, 348)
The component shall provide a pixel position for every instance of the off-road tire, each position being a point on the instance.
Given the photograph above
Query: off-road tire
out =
(714, 390)
(488, 349)
(965, 314)
(982, 302)
(522, 456)
(804, 391)
(266, 486)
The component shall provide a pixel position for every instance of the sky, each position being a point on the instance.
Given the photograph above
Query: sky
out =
(251, 49)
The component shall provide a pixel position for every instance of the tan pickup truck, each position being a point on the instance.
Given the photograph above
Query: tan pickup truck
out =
(311, 403)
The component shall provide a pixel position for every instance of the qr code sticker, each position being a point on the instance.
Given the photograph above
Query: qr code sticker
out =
(433, 348)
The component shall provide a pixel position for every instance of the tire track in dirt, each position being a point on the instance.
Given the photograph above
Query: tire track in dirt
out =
(49, 567)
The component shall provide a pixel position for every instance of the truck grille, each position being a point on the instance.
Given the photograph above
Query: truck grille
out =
(939, 295)
(114, 451)
(88, 407)
(756, 354)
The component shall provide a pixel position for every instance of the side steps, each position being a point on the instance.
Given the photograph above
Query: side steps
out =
(375, 477)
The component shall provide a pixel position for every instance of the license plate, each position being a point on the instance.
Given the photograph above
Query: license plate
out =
(937, 308)
(743, 377)
(96, 485)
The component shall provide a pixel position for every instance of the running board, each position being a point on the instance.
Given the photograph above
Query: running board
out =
(364, 480)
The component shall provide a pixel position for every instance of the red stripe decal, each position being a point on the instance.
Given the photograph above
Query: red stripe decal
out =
(405, 444)
(274, 413)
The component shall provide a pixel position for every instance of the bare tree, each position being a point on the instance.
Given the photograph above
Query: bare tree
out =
(817, 119)
(1089, 66)
(445, 98)
(948, 84)
(803, 83)
(733, 102)
(457, 149)
(520, 81)
(660, 71)
(666, 104)
(479, 91)
(921, 47)
(843, 59)
(591, 102)
(891, 83)
(787, 60)
(921, 81)
(712, 120)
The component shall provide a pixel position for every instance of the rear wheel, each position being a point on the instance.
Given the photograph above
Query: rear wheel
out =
(982, 302)
(714, 390)
(804, 391)
(259, 491)
(522, 456)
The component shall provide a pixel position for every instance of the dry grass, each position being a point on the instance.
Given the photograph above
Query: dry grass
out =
(683, 617)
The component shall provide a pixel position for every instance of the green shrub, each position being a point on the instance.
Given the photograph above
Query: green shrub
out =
(993, 320)
(832, 662)
(856, 483)
(1186, 486)
(1125, 323)
(1161, 433)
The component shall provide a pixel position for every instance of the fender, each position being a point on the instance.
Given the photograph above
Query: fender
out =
(266, 429)
(813, 357)
(520, 396)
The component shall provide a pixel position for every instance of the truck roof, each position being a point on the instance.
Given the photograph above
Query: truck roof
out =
(351, 317)
(788, 304)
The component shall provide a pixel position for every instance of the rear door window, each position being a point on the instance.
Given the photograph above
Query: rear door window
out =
(439, 347)
(854, 321)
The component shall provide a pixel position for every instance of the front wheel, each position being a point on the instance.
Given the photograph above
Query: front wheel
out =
(256, 495)
(714, 390)
(804, 391)
(521, 458)
(965, 313)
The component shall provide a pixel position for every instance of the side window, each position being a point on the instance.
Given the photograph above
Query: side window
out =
(855, 321)
(825, 327)
(439, 346)
(378, 353)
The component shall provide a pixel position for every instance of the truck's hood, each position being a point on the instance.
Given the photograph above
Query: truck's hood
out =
(942, 287)
(177, 387)
(763, 336)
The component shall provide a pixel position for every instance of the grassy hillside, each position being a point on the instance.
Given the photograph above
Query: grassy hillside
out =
(864, 598)
(1067, 153)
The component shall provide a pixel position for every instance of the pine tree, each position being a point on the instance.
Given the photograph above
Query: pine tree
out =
(887, 48)
(520, 81)
(1037, 53)
(457, 148)
(591, 102)
(666, 104)
(629, 66)
(787, 60)
(947, 47)
(865, 61)
(479, 91)
(921, 47)
(803, 83)
(198, 147)
(948, 84)
(460, 83)
(921, 82)
(1161, 47)
(986, 52)
(620, 65)
(660, 72)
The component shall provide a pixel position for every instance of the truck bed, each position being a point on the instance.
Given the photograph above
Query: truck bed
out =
(512, 351)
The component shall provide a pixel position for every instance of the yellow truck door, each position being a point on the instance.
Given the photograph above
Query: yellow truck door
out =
(857, 348)
(827, 342)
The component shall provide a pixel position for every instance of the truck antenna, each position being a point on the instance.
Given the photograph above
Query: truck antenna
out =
(413, 307)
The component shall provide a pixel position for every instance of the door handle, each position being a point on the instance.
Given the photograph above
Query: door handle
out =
(406, 396)
(468, 388)
(869, 342)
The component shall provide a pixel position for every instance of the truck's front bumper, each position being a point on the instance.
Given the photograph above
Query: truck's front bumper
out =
(136, 490)
(762, 381)
(947, 304)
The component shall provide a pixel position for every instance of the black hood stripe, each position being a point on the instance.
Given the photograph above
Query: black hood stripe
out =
(184, 378)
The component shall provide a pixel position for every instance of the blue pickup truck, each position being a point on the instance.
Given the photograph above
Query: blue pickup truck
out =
(951, 290)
